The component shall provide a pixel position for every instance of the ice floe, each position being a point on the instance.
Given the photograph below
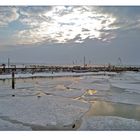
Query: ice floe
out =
(6, 125)
(47, 112)
(103, 123)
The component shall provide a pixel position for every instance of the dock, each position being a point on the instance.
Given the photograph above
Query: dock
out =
(65, 68)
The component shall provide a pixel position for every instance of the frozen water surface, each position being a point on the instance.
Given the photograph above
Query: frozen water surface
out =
(58, 101)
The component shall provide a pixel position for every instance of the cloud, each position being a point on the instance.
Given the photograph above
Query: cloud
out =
(7, 15)
(61, 24)
(128, 17)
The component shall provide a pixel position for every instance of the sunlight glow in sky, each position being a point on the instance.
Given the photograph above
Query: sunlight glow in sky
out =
(65, 33)
(58, 24)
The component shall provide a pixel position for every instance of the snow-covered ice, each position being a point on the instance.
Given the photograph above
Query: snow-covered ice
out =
(47, 112)
(9, 126)
(104, 123)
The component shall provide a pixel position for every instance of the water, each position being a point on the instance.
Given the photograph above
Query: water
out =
(33, 86)
(103, 108)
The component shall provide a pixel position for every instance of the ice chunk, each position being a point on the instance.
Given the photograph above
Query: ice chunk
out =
(109, 123)
(127, 86)
(49, 112)
(6, 125)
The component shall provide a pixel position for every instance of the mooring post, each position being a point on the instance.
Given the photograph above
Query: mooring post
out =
(13, 80)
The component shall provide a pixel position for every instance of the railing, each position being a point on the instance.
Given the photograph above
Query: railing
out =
(37, 68)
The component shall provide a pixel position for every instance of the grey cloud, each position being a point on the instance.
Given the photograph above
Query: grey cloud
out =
(34, 10)
(127, 16)
(85, 30)
(7, 15)
(66, 23)
(33, 15)
(121, 11)
(76, 39)
(64, 18)
(63, 11)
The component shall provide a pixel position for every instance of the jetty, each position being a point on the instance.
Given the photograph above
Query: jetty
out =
(33, 68)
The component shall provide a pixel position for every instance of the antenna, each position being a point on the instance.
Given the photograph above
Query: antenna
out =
(119, 61)
(89, 62)
(73, 62)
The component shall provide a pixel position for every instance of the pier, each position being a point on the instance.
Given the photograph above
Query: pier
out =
(65, 68)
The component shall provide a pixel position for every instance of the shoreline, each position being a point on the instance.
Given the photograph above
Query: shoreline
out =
(55, 75)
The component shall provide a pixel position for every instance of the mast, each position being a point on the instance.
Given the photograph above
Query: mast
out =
(8, 62)
(119, 61)
(84, 61)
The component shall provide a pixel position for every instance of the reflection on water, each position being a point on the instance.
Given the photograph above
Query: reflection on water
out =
(102, 108)
(91, 91)
(33, 86)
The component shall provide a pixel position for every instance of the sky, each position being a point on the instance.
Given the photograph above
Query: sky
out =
(65, 34)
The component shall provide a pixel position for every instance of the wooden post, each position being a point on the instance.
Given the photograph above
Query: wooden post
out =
(104, 69)
(8, 65)
(13, 80)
